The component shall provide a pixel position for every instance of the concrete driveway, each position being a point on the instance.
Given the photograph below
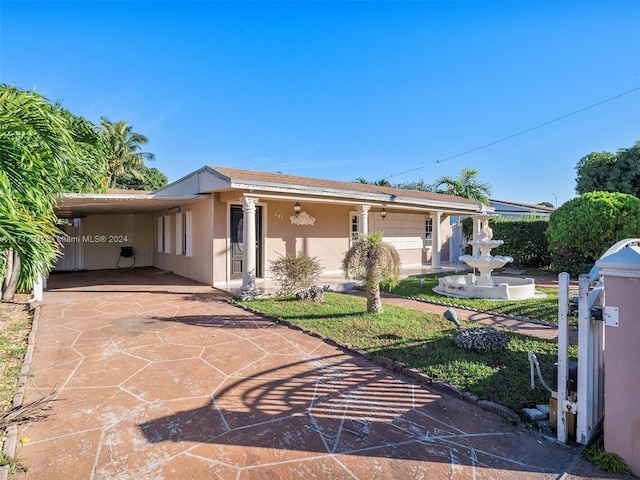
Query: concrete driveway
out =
(160, 378)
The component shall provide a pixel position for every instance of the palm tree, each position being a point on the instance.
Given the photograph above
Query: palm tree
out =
(122, 148)
(466, 185)
(38, 154)
(375, 261)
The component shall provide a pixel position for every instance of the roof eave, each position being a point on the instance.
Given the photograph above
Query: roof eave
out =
(360, 196)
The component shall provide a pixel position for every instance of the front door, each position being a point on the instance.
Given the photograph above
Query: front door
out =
(237, 246)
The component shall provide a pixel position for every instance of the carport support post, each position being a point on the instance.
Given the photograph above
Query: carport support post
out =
(249, 242)
(436, 260)
(363, 211)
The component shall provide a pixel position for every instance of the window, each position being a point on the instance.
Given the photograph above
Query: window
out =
(188, 233)
(160, 234)
(180, 230)
(428, 233)
(183, 234)
(354, 227)
(167, 234)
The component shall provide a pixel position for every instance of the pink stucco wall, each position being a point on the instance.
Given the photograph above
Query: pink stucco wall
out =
(622, 364)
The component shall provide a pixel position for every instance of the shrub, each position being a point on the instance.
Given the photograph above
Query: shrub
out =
(582, 229)
(524, 240)
(295, 273)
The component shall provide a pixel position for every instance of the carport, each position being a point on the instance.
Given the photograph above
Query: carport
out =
(97, 227)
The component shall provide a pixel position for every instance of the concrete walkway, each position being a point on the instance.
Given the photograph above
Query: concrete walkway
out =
(160, 378)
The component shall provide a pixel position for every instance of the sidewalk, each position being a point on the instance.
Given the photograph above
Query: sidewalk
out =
(534, 329)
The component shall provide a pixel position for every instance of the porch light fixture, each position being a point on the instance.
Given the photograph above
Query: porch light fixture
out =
(383, 213)
(296, 208)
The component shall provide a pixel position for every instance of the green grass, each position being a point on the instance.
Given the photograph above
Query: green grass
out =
(14, 465)
(545, 309)
(425, 342)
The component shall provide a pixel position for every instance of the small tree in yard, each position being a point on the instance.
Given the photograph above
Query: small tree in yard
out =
(374, 261)
(295, 273)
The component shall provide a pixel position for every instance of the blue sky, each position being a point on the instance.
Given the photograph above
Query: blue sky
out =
(347, 89)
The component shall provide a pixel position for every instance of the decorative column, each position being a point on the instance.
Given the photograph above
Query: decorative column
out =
(436, 251)
(363, 212)
(249, 243)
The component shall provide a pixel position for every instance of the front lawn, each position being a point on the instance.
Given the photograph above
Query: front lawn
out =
(545, 309)
(425, 342)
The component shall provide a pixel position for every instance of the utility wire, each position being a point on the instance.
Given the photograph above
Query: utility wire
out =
(516, 134)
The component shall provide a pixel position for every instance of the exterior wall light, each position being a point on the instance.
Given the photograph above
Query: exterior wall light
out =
(383, 213)
(296, 208)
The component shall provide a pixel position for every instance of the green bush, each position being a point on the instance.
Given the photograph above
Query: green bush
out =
(295, 273)
(582, 229)
(524, 240)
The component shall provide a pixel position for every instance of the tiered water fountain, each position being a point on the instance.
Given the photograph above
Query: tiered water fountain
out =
(485, 285)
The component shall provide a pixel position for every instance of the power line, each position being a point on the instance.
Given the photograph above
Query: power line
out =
(516, 134)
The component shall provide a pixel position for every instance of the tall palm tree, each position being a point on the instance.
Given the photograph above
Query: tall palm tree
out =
(122, 148)
(466, 185)
(38, 154)
(374, 261)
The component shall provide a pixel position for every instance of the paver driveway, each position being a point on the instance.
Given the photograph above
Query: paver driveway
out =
(159, 378)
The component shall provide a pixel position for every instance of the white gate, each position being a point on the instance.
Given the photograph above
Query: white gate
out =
(589, 401)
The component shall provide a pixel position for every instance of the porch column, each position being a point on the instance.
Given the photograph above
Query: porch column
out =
(436, 251)
(249, 243)
(363, 211)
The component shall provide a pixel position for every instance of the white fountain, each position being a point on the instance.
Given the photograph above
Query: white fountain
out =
(485, 285)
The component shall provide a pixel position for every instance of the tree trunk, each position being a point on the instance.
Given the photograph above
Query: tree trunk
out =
(11, 282)
(374, 304)
(8, 268)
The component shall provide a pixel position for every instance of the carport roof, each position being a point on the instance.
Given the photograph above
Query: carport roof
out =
(117, 201)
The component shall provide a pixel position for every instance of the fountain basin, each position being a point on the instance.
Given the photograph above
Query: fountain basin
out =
(503, 288)
(486, 265)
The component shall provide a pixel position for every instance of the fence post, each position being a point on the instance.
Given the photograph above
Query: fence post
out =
(563, 355)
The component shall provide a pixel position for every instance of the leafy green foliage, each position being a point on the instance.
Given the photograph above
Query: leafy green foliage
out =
(152, 179)
(417, 185)
(466, 185)
(425, 342)
(606, 461)
(122, 149)
(375, 261)
(42, 149)
(582, 229)
(295, 273)
(524, 240)
(605, 171)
